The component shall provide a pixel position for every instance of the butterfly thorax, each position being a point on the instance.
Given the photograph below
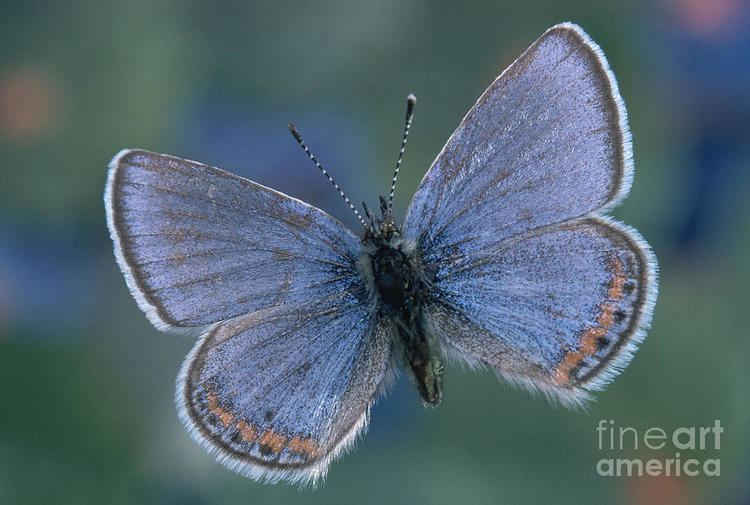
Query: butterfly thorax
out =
(399, 287)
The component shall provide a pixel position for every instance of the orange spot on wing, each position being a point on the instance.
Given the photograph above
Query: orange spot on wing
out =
(273, 441)
(295, 444)
(247, 431)
(309, 447)
(591, 335)
(270, 439)
(589, 338)
(604, 321)
(226, 418)
(618, 280)
(224, 415)
(568, 363)
(605, 316)
(305, 446)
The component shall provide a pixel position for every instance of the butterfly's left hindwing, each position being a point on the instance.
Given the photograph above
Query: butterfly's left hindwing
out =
(278, 393)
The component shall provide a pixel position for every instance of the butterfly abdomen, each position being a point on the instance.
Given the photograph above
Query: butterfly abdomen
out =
(399, 287)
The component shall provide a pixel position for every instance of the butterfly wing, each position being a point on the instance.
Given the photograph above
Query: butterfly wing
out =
(198, 245)
(278, 393)
(559, 309)
(293, 355)
(508, 219)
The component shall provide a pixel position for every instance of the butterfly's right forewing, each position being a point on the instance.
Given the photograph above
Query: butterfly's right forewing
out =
(546, 142)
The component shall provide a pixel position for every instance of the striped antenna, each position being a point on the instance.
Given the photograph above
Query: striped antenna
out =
(302, 144)
(410, 101)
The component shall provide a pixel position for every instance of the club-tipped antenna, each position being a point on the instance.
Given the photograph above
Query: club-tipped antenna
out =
(302, 144)
(410, 101)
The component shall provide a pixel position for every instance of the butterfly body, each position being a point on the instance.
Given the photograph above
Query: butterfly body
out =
(400, 286)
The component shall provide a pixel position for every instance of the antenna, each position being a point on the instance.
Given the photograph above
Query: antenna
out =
(302, 144)
(410, 101)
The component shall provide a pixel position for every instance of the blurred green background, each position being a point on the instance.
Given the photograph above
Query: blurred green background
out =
(86, 384)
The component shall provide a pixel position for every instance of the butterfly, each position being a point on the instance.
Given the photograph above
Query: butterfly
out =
(505, 260)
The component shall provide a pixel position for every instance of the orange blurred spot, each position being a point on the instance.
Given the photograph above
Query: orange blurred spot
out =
(226, 418)
(664, 490)
(269, 440)
(29, 104)
(707, 18)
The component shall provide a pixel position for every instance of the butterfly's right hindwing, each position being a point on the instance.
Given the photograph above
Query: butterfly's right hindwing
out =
(561, 309)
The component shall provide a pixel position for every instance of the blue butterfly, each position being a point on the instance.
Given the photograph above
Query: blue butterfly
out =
(505, 259)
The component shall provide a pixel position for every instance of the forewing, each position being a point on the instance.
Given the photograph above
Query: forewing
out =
(560, 309)
(548, 141)
(199, 245)
(278, 393)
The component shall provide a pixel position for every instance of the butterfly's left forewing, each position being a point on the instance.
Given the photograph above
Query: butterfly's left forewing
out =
(198, 245)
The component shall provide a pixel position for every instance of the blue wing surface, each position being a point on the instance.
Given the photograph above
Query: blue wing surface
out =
(560, 309)
(510, 217)
(199, 245)
(277, 394)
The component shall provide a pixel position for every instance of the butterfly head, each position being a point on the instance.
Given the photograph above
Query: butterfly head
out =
(383, 229)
